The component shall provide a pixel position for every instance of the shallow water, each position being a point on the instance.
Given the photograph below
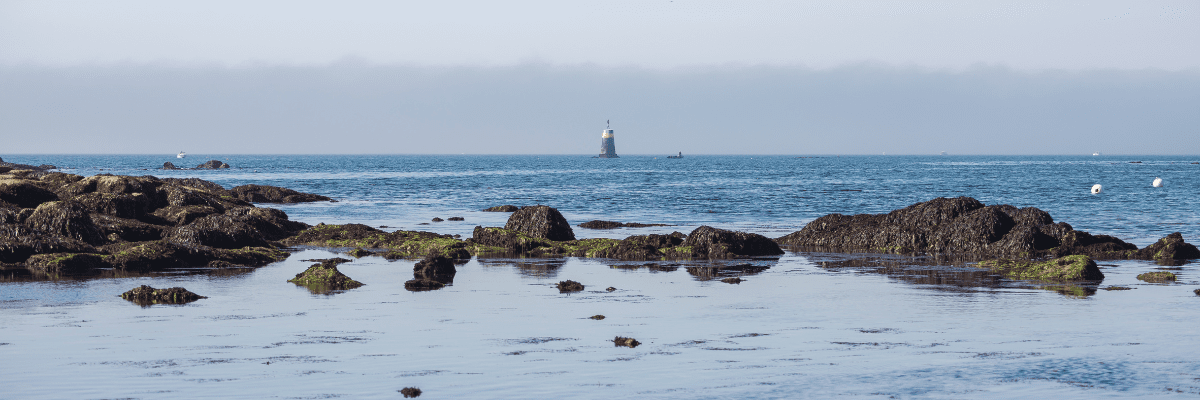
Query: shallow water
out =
(811, 325)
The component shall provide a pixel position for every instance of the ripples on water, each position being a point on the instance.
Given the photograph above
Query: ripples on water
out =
(805, 325)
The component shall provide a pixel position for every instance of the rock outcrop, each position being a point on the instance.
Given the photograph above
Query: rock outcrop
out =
(712, 243)
(324, 277)
(598, 224)
(1157, 277)
(146, 295)
(965, 226)
(274, 194)
(212, 164)
(569, 286)
(541, 222)
(503, 208)
(60, 224)
(1068, 268)
(169, 166)
(432, 273)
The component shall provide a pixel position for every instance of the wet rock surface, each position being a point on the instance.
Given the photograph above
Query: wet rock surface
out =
(1069, 268)
(598, 224)
(324, 277)
(274, 194)
(503, 208)
(569, 286)
(963, 225)
(542, 222)
(713, 243)
(1157, 277)
(131, 223)
(146, 295)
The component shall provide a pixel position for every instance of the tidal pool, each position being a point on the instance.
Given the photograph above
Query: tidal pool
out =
(808, 325)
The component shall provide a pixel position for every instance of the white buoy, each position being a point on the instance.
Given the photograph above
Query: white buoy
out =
(1096, 188)
(1157, 182)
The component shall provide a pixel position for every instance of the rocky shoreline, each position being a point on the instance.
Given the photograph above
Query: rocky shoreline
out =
(55, 225)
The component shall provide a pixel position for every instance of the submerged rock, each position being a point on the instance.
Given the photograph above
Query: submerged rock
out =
(621, 341)
(568, 286)
(1157, 277)
(734, 280)
(324, 277)
(596, 317)
(436, 219)
(212, 164)
(963, 225)
(542, 222)
(410, 392)
(422, 285)
(146, 295)
(1069, 268)
(503, 208)
(456, 219)
(274, 194)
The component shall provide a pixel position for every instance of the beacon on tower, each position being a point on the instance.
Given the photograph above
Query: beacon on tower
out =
(608, 147)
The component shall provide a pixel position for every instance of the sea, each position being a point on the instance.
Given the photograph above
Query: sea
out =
(802, 325)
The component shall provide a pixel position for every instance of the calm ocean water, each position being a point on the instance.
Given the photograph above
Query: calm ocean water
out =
(811, 325)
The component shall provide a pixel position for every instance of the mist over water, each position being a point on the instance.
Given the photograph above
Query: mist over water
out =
(803, 325)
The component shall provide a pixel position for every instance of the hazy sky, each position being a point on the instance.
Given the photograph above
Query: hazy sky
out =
(759, 77)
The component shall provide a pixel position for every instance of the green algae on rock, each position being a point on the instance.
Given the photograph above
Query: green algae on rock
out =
(400, 244)
(569, 286)
(621, 341)
(146, 295)
(324, 277)
(1069, 268)
(1157, 277)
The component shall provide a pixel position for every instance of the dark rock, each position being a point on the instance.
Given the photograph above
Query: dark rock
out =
(542, 222)
(1110, 288)
(195, 183)
(456, 219)
(713, 243)
(598, 224)
(611, 289)
(67, 219)
(436, 219)
(421, 285)
(435, 268)
(508, 240)
(116, 229)
(24, 194)
(725, 271)
(182, 215)
(324, 278)
(733, 280)
(410, 392)
(568, 286)
(273, 194)
(65, 264)
(401, 244)
(1157, 277)
(119, 205)
(179, 196)
(169, 165)
(212, 164)
(146, 295)
(19, 242)
(504, 208)
(596, 317)
(1171, 247)
(620, 341)
(647, 247)
(1197, 291)
(358, 252)
(237, 228)
(965, 226)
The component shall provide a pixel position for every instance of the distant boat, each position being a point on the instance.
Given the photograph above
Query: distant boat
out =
(181, 155)
(678, 156)
(1096, 153)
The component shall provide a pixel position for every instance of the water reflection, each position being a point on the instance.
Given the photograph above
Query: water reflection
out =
(531, 268)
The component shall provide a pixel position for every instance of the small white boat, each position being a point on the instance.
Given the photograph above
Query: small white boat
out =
(1096, 153)
(181, 155)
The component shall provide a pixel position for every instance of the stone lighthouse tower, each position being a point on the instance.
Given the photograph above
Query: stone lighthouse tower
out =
(608, 147)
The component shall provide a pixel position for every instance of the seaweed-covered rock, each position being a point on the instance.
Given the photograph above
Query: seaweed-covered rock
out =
(542, 222)
(358, 252)
(503, 208)
(195, 183)
(713, 243)
(1157, 277)
(960, 225)
(24, 193)
(1068, 268)
(182, 215)
(725, 271)
(116, 204)
(507, 240)
(68, 219)
(436, 219)
(212, 164)
(19, 242)
(65, 264)
(1171, 247)
(599, 224)
(401, 244)
(733, 280)
(410, 392)
(169, 165)
(646, 247)
(568, 286)
(436, 268)
(324, 277)
(597, 317)
(621, 341)
(274, 194)
(1197, 291)
(116, 229)
(237, 228)
(422, 285)
(456, 219)
(146, 295)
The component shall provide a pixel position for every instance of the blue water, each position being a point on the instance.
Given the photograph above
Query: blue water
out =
(811, 326)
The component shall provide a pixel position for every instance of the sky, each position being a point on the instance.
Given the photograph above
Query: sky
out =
(542, 77)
